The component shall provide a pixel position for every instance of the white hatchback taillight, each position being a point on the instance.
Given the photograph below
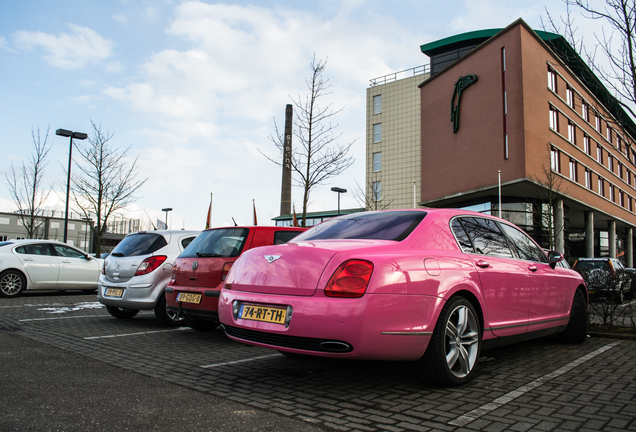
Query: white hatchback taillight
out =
(150, 264)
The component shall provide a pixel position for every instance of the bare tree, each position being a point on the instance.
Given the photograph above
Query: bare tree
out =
(104, 181)
(616, 48)
(25, 186)
(367, 196)
(318, 156)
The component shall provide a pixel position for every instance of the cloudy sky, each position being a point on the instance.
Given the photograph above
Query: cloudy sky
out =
(194, 86)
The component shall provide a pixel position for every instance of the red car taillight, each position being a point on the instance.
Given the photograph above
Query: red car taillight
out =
(226, 270)
(350, 280)
(174, 272)
(150, 264)
(104, 268)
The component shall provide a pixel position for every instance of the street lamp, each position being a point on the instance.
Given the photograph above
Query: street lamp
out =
(339, 190)
(167, 209)
(71, 135)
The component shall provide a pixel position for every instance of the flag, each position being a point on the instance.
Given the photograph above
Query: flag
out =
(295, 221)
(161, 225)
(207, 221)
(255, 221)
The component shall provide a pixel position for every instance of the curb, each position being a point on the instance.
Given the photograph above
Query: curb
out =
(624, 336)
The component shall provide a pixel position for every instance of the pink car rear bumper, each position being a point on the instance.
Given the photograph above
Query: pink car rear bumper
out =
(375, 326)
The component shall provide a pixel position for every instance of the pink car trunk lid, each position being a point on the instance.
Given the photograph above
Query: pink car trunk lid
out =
(283, 269)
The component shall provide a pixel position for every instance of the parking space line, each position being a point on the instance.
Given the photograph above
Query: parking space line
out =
(240, 361)
(69, 317)
(61, 317)
(136, 333)
(520, 391)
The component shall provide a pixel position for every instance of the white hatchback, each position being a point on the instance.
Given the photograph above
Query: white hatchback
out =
(45, 264)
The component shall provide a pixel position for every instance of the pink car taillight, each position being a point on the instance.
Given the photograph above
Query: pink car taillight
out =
(350, 280)
(150, 264)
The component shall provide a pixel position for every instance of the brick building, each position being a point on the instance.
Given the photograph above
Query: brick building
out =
(533, 121)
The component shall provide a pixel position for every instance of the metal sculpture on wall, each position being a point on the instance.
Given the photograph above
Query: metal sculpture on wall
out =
(460, 85)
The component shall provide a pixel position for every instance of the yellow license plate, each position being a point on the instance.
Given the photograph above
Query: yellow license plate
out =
(189, 298)
(114, 292)
(262, 313)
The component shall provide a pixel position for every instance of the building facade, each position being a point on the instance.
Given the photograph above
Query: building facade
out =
(393, 171)
(513, 116)
(80, 235)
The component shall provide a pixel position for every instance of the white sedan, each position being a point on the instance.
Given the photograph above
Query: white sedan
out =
(45, 264)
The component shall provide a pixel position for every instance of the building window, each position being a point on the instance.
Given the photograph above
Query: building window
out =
(554, 119)
(586, 144)
(3, 238)
(377, 191)
(571, 133)
(377, 162)
(630, 204)
(610, 162)
(573, 175)
(611, 193)
(599, 154)
(552, 79)
(555, 162)
(588, 178)
(377, 132)
(505, 101)
(620, 169)
(609, 132)
(619, 143)
(621, 198)
(506, 147)
(377, 104)
(585, 112)
(629, 177)
(598, 123)
(601, 187)
(570, 96)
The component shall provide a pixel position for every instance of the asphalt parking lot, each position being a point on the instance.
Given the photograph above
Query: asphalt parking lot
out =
(140, 376)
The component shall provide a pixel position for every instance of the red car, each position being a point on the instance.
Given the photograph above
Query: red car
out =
(198, 273)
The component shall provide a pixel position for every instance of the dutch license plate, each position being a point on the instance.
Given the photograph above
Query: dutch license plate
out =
(189, 298)
(262, 313)
(114, 292)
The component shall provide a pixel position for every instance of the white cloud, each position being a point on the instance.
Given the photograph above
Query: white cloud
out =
(114, 67)
(121, 19)
(68, 50)
(4, 44)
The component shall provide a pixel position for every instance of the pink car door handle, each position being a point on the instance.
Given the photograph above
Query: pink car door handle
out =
(532, 268)
(482, 264)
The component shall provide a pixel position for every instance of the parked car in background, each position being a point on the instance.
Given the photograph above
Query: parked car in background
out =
(434, 286)
(605, 277)
(200, 270)
(45, 264)
(136, 273)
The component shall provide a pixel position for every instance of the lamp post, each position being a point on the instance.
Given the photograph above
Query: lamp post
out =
(71, 135)
(339, 190)
(167, 209)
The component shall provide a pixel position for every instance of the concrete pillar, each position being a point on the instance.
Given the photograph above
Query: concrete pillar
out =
(629, 247)
(611, 236)
(559, 244)
(589, 234)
